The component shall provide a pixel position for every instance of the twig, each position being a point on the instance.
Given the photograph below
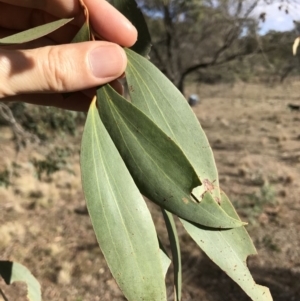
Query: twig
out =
(3, 295)
(22, 137)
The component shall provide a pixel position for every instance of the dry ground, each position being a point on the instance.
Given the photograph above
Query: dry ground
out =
(256, 142)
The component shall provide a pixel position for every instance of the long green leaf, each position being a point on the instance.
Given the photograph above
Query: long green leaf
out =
(165, 259)
(120, 217)
(176, 255)
(160, 100)
(159, 168)
(34, 33)
(131, 11)
(13, 271)
(229, 249)
(83, 34)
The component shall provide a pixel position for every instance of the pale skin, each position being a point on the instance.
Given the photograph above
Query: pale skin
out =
(40, 71)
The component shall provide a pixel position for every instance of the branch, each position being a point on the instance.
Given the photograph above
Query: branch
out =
(250, 9)
(172, 43)
(3, 295)
(159, 58)
(22, 137)
(224, 61)
(228, 41)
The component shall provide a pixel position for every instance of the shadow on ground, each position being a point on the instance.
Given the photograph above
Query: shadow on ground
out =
(217, 286)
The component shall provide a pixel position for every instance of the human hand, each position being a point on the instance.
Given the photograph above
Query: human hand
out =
(42, 70)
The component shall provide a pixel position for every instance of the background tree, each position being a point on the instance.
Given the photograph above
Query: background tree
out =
(191, 36)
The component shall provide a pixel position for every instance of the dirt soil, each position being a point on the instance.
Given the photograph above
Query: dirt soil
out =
(256, 141)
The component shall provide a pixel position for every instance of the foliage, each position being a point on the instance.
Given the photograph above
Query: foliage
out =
(147, 131)
(217, 41)
(266, 196)
(7, 173)
(29, 35)
(154, 145)
(46, 121)
(4, 178)
(192, 35)
(54, 161)
(254, 204)
(112, 196)
(268, 242)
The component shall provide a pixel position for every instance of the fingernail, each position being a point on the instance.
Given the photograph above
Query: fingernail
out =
(107, 61)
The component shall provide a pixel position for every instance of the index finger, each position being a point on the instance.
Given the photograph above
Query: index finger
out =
(110, 24)
(107, 22)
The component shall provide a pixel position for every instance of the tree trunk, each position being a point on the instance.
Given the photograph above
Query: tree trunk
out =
(180, 84)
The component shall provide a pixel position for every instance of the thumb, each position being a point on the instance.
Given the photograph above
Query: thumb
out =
(62, 68)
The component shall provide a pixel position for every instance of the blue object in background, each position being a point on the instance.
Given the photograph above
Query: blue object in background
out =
(193, 100)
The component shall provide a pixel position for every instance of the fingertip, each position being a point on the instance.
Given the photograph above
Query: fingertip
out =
(107, 61)
(110, 24)
(133, 34)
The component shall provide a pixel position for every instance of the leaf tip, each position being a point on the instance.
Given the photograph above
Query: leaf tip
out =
(295, 45)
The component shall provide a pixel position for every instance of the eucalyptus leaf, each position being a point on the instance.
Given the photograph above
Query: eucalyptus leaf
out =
(120, 217)
(158, 166)
(229, 249)
(13, 272)
(165, 259)
(34, 33)
(295, 45)
(131, 11)
(155, 95)
(176, 255)
(83, 34)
